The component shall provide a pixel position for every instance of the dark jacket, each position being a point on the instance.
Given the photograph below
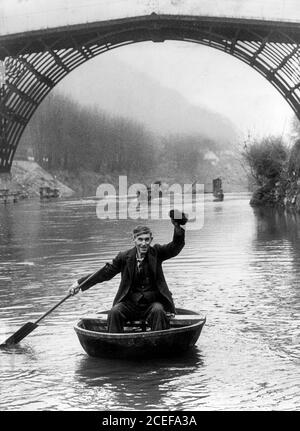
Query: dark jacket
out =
(124, 262)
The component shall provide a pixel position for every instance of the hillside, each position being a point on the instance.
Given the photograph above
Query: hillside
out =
(143, 130)
(121, 90)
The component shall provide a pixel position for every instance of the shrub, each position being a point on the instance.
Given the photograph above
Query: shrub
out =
(294, 160)
(266, 159)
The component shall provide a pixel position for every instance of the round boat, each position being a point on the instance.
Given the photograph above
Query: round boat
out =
(137, 340)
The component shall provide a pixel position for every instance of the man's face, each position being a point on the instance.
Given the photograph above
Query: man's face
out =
(142, 243)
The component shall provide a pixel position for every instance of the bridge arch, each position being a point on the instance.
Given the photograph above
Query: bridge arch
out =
(36, 62)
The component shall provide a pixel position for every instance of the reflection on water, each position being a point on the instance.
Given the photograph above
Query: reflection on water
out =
(241, 271)
(147, 389)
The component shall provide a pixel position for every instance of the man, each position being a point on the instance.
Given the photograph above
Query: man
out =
(143, 291)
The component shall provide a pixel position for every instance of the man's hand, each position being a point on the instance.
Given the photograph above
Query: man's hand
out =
(74, 289)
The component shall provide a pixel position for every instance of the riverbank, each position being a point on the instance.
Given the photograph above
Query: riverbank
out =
(284, 194)
(85, 182)
(27, 177)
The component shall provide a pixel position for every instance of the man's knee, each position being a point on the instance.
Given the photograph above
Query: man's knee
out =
(116, 310)
(116, 318)
(157, 317)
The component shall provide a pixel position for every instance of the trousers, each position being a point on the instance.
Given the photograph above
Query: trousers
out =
(125, 311)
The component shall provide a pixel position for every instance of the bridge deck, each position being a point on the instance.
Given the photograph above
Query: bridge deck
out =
(28, 16)
(29, 42)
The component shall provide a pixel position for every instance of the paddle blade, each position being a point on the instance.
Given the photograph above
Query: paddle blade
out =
(20, 334)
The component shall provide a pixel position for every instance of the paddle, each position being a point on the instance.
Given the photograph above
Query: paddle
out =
(30, 326)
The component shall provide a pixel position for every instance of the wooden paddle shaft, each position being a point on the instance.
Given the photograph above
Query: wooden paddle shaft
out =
(29, 326)
(64, 299)
(53, 308)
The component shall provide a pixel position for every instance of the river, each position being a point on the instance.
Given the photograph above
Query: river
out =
(241, 270)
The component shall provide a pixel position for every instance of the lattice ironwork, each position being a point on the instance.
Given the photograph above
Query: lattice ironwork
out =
(34, 64)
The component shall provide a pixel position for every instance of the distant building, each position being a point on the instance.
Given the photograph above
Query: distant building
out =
(211, 157)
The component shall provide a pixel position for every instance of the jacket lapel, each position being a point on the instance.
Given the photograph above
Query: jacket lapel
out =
(152, 260)
(131, 262)
(131, 257)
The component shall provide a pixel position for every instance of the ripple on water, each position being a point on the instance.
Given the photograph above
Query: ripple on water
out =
(241, 271)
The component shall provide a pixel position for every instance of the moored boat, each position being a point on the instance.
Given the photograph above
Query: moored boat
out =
(137, 340)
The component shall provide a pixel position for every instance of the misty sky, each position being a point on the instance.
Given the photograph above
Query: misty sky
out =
(208, 77)
(203, 76)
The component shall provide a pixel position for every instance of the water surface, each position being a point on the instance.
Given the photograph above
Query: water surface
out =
(241, 270)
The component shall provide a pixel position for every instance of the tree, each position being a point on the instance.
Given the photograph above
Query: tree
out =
(66, 136)
(266, 159)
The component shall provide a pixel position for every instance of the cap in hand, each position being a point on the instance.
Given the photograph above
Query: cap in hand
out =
(178, 217)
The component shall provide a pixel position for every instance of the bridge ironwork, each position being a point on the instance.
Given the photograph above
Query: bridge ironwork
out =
(36, 61)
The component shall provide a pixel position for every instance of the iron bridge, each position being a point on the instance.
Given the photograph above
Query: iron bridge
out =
(33, 62)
